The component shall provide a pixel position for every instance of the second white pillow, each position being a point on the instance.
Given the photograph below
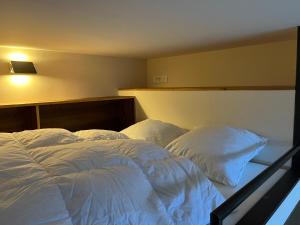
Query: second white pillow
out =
(221, 152)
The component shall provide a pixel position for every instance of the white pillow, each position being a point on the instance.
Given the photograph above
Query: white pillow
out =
(154, 131)
(45, 137)
(221, 152)
(94, 134)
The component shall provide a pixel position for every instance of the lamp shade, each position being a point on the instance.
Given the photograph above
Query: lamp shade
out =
(22, 67)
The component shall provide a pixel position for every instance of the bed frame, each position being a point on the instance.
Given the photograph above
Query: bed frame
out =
(263, 210)
(111, 113)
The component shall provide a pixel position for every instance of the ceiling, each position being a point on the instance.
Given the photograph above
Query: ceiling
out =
(144, 28)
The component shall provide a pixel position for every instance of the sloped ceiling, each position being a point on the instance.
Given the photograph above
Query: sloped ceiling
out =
(144, 28)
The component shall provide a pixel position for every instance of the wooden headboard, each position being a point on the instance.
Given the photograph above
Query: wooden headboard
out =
(111, 113)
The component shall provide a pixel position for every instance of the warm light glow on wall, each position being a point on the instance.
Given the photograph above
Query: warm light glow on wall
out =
(17, 56)
(19, 80)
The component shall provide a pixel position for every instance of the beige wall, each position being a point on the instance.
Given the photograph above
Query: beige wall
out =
(264, 64)
(69, 76)
(269, 113)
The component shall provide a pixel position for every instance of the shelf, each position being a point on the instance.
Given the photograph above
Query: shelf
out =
(224, 88)
(22, 104)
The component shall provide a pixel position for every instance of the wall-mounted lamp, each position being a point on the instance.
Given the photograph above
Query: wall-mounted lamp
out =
(22, 67)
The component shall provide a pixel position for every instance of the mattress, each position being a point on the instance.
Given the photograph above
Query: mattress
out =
(273, 151)
(251, 171)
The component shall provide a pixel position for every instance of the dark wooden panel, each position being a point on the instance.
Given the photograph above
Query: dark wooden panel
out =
(18, 119)
(108, 114)
(126, 113)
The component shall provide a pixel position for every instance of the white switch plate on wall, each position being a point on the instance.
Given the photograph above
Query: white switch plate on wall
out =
(160, 79)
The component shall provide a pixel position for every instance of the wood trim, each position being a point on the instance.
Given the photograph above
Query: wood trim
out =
(38, 119)
(225, 88)
(65, 101)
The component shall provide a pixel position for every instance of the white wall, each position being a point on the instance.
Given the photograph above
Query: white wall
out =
(269, 113)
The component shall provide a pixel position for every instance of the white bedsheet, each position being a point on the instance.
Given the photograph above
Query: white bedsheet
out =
(104, 182)
(273, 151)
(251, 171)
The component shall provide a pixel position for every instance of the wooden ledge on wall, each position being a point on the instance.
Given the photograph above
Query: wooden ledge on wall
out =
(223, 88)
(92, 99)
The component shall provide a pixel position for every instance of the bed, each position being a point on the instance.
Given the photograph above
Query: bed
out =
(51, 176)
(55, 174)
(173, 188)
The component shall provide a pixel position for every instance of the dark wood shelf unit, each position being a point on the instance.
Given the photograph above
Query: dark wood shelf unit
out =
(112, 113)
(18, 119)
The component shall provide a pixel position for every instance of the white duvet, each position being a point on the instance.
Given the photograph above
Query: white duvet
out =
(114, 182)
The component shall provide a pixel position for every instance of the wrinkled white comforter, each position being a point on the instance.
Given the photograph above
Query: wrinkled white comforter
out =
(116, 182)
